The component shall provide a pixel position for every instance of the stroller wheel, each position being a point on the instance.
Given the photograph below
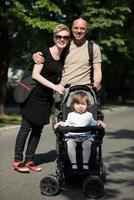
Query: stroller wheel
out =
(49, 185)
(93, 187)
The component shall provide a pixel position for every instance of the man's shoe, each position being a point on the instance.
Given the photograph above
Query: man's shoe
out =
(32, 166)
(20, 167)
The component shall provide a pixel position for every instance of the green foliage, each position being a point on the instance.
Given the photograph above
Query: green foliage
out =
(34, 14)
(46, 4)
(107, 20)
(28, 24)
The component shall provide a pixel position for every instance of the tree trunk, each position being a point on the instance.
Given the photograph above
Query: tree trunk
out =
(122, 88)
(2, 109)
(4, 63)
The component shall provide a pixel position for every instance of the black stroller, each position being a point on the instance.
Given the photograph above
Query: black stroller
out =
(93, 180)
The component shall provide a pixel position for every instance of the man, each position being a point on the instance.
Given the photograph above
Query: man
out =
(77, 69)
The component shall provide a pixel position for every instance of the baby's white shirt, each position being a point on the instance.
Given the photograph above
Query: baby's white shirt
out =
(80, 120)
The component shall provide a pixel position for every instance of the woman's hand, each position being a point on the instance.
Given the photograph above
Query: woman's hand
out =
(59, 88)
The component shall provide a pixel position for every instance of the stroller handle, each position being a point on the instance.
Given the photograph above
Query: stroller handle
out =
(77, 129)
(82, 87)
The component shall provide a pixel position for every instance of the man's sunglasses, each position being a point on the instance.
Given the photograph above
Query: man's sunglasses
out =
(66, 37)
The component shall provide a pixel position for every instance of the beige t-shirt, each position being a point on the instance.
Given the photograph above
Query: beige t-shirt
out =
(77, 69)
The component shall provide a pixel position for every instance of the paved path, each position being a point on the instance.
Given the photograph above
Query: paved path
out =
(118, 156)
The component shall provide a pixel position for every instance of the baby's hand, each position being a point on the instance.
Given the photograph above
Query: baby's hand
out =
(58, 124)
(101, 123)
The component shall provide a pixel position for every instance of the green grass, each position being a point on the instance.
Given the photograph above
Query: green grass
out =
(7, 120)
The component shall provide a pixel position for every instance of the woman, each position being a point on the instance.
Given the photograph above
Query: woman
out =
(37, 109)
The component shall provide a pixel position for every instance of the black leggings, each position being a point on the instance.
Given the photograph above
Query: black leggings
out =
(25, 129)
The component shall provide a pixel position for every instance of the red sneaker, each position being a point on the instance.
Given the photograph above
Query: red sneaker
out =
(20, 167)
(32, 166)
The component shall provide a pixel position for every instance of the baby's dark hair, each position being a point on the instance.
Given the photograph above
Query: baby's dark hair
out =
(80, 97)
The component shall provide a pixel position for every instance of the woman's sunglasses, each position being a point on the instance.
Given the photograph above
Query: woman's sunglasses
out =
(59, 37)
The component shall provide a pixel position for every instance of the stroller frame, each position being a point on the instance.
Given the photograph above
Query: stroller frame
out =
(93, 180)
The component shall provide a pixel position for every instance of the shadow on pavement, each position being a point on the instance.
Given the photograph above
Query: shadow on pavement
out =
(46, 157)
(121, 134)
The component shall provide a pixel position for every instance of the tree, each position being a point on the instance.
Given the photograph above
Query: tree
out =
(16, 18)
(107, 25)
